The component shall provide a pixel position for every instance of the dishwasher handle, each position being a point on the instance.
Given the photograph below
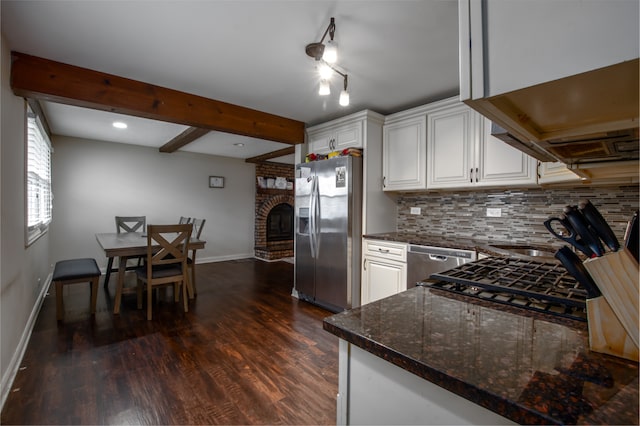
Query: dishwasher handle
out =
(438, 258)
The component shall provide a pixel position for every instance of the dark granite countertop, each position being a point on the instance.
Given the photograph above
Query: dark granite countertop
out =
(531, 368)
(480, 246)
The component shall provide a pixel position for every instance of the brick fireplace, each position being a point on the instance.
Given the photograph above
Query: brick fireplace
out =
(274, 214)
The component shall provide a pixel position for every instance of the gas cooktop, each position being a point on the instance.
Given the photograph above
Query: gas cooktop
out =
(538, 286)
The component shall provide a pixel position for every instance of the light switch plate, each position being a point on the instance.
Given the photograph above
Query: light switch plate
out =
(494, 212)
(416, 210)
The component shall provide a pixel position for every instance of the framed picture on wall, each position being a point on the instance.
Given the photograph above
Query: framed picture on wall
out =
(216, 182)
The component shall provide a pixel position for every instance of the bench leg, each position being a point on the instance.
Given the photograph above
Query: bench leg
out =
(59, 302)
(94, 294)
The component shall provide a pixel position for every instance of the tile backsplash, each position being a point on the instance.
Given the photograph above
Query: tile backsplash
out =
(464, 214)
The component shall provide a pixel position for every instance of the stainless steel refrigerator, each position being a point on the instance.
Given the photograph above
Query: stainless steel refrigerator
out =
(328, 217)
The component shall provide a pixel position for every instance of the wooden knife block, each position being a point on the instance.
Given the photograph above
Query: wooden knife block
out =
(613, 318)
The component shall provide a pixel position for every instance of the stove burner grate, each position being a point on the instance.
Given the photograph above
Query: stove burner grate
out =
(538, 286)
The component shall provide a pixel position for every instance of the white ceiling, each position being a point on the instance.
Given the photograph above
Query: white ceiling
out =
(397, 53)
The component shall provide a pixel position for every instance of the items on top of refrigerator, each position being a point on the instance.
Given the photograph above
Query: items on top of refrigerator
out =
(353, 152)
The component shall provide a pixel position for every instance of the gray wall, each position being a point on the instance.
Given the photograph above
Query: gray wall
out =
(23, 270)
(95, 181)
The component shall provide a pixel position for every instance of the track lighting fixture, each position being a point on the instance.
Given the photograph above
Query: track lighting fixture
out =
(326, 56)
(344, 95)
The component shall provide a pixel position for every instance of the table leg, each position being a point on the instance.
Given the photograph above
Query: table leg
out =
(120, 285)
(193, 274)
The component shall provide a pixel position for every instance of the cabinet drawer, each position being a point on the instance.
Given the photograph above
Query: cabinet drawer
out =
(386, 249)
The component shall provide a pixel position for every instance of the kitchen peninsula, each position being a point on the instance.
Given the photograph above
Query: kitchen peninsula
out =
(425, 356)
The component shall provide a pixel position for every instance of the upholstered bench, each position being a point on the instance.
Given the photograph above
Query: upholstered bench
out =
(75, 271)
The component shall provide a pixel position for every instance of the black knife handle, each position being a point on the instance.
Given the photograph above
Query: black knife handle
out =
(579, 223)
(599, 224)
(574, 266)
(571, 238)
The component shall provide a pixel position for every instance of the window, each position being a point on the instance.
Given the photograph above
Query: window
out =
(38, 178)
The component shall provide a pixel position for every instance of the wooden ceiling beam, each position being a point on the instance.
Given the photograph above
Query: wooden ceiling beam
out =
(184, 138)
(43, 79)
(275, 154)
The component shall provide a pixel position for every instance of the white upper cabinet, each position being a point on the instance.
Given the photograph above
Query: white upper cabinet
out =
(549, 69)
(461, 153)
(508, 45)
(556, 172)
(501, 164)
(451, 144)
(404, 157)
(348, 135)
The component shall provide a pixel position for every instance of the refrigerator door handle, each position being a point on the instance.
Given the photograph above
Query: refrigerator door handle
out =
(316, 214)
(312, 218)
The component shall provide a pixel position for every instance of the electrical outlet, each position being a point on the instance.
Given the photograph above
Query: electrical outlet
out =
(416, 210)
(494, 212)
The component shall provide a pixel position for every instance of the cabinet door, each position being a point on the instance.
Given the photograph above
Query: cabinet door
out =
(319, 142)
(451, 139)
(576, 36)
(404, 156)
(501, 164)
(555, 173)
(348, 136)
(336, 139)
(382, 278)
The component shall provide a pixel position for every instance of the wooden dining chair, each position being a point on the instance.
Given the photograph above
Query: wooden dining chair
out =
(126, 224)
(198, 224)
(184, 220)
(166, 262)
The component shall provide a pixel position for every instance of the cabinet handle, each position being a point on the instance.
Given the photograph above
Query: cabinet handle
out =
(383, 250)
(364, 264)
(471, 175)
(477, 174)
(384, 181)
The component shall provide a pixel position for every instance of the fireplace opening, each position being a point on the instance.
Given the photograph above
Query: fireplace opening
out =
(280, 223)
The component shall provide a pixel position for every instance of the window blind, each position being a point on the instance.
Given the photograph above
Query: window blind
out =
(38, 178)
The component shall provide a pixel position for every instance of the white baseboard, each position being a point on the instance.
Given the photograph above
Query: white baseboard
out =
(224, 258)
(18, 355)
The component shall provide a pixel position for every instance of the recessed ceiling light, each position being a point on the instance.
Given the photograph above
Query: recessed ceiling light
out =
(119, 125)
(238, 144)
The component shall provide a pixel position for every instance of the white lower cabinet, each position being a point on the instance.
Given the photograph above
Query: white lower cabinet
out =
(372, 391)
(384, 269)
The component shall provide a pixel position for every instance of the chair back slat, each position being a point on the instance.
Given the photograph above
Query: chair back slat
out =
(130, 223)
(184, 220)
(198, 224)
(168, 244)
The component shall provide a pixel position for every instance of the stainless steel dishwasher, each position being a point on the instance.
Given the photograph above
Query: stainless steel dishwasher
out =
(422, 261)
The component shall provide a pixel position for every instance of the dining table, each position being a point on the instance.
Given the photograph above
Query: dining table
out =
(125, 245)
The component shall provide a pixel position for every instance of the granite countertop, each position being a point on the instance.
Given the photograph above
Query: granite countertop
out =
(531, 368)
(480, 246)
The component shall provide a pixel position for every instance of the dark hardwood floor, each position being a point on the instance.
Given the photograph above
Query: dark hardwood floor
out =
(245, 353)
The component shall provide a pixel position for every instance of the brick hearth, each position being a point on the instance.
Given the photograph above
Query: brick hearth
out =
(267, 199)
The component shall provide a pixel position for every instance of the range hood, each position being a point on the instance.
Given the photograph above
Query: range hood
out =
(582, 120)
